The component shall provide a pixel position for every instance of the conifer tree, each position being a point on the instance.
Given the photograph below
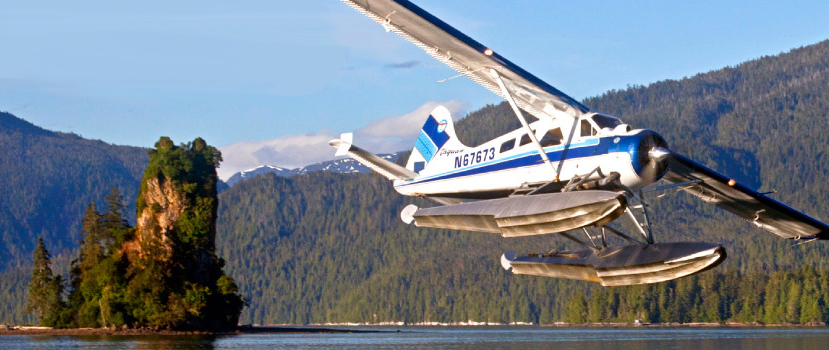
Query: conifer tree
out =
(45, 289)
(114, 221)
(98, 280)
(93, 233)
(85, 293)
(577, 309)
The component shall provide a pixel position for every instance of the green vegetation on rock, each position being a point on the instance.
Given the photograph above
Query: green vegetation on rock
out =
(164, 273)
(176, 279)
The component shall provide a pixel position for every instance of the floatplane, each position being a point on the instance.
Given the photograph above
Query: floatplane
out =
(572, 173)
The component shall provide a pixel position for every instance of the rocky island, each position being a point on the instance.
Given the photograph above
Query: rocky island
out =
(161, 274)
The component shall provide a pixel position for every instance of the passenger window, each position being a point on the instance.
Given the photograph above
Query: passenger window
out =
(553, 137)
(587, 129)
(506, 146)
(419, 166)
(524, 140)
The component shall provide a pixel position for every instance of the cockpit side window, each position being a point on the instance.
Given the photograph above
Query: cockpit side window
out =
(525, 139)
(553, 137)
(506, 146)
(604, 121)
(587, 129)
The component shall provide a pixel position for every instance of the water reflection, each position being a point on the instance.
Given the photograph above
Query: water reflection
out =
(149, 342)
(457, 338)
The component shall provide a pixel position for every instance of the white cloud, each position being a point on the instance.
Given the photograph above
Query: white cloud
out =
(288, 151)
(407, 125)
(385, 135)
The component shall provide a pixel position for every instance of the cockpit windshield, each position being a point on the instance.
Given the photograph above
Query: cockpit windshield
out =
(604, 121)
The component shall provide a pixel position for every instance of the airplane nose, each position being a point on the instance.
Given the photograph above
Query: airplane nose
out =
(653, 155)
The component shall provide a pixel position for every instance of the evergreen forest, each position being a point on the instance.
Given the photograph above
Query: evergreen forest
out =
(331, 247)
(324, 247)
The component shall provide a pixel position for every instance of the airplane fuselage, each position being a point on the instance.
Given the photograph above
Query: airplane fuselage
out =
(509, 162)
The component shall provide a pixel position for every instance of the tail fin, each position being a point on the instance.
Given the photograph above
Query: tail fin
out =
(437, 133)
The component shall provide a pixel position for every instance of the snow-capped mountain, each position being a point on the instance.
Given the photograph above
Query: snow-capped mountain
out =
(262, 169)
(344, 166)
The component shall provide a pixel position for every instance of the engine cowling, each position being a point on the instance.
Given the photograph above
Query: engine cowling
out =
(652, 157)
(649, 154)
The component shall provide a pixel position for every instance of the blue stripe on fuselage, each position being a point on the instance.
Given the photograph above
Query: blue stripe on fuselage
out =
(576, 150)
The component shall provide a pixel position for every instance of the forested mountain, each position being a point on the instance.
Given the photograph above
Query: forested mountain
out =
(330, 247)
(47, 179)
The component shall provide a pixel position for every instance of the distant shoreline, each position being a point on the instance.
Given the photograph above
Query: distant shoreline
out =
(351, 328)
(46, 331)
(568, 325)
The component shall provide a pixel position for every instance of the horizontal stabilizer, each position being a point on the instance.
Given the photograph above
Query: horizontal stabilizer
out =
(343, 144)
(386, 168)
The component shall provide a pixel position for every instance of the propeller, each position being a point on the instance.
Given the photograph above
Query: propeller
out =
(653, 156)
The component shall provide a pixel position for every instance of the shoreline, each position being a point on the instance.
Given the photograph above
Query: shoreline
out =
(566, 325)
(47, 331)
(393, 327)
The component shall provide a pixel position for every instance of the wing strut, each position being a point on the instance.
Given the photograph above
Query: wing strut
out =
(523, 121)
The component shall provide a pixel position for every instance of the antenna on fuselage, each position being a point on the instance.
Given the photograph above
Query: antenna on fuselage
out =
(523, 121)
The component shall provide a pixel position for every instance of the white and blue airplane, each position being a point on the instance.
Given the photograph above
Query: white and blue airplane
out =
(573, 171)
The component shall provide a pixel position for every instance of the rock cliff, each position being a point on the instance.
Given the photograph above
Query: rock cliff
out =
(173, 264)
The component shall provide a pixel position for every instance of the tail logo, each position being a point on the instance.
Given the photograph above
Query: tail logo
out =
(442, 125)
(431, 138)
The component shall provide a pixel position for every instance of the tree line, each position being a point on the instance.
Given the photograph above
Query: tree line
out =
(783, 297)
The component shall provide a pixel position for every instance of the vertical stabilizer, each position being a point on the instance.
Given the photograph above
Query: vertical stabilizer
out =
(437, 133)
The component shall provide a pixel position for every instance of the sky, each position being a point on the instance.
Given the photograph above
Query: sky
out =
(270, 82)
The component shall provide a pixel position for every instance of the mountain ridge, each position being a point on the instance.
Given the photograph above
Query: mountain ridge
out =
(10, 123)
(336, 251)
(48, 177)
(323, 247)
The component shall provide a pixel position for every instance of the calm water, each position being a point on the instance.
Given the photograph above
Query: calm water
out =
(458, 338)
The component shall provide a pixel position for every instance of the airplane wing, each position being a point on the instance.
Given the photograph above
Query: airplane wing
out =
(744, 202)
(468, 57)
